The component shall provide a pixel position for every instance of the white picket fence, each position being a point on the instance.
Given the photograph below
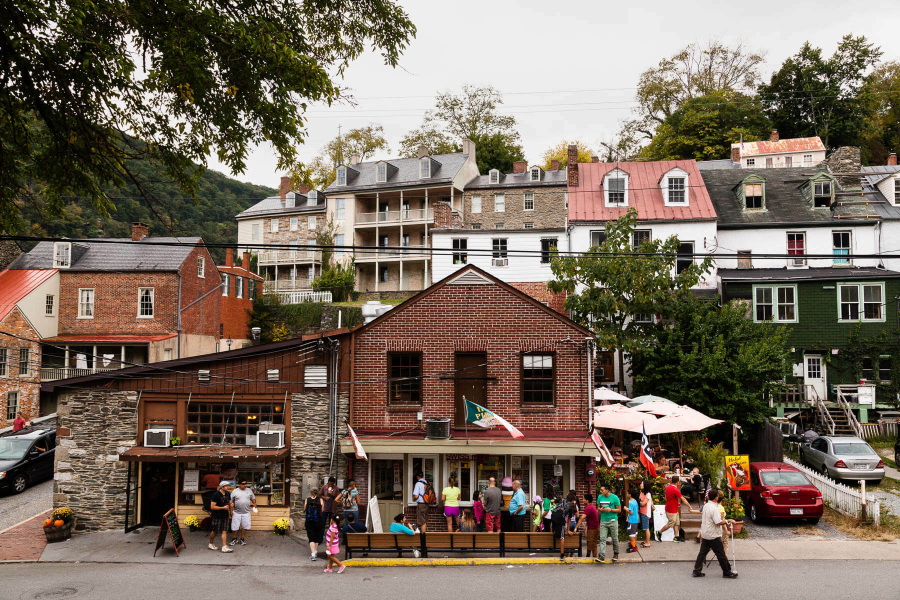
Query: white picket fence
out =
(840, 497)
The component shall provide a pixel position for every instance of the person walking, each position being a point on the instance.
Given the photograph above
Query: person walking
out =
(493, 499)
(478, 509)
(633, 521)
(19, 422)
(333, 545)
(559, 520)
(712, 525)
(517, 506)
(313, 511)
(610, 507)
(243, 501)
(591, 518)
(350, 501)
(674, 499)
(725, 539)
(220, 505)
(419, 497)
(450, 499)
(646, 509)
(329, 494)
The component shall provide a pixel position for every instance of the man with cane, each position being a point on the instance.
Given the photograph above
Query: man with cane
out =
(711, 527)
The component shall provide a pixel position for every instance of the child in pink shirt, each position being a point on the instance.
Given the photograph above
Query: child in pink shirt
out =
(478, 509)
(333, 545)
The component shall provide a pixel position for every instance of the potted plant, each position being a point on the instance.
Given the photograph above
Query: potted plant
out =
(192, 522)
(60, 524)
(282, 526)
(734, 509)
(175, 440)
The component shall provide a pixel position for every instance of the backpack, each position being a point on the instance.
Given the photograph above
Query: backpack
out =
(312, 510)
(429, 496)
(559, 514)
(347, 500)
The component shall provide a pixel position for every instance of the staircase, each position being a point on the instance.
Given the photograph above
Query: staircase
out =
(842, 424)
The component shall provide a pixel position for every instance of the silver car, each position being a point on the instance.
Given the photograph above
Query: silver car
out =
(847, 458)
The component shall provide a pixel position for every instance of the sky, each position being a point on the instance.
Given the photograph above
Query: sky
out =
(567, 70)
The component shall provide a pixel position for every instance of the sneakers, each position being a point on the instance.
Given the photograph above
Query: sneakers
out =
(600, 560)
(328, 570)
(630, 549)
(226, 549)
(679, 540)
(616, 557)
(698, 574)
(211, 547)
(341, 570)
(730, 575)
(562, 558)
(241, 542)
(658, 536)
(233, 542)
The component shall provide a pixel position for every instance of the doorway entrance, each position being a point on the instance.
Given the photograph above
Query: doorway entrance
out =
(814, 376)
(387, 486)
(157, 491)
(553, 477)
(470, 382)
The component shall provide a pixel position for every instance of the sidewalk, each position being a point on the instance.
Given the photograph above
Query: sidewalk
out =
(25, 541)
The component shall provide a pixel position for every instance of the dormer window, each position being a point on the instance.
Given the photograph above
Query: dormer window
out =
(535, 174)
(425, 168)
(62, 255)
(753, 196)
(289, 200)
(615, 188)
(495, 176)
(675, 188)
(897, 191)
(381, 172)
(342, 176)
(822, 194)
(312, 198)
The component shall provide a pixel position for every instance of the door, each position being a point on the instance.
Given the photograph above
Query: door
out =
(604, 371)
(814, 375)
(44, 459)
(157, 491)
(387, 486)
(553, 477)
(469, 383)
(817, 455)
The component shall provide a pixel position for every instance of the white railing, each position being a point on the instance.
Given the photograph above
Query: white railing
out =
(410, 251)
(871, 430)
(57, 373)
(840, 497)
(851, 417)
(813, 396)
(394, 216)
(288, 285)
(301, 297)
(278, 257)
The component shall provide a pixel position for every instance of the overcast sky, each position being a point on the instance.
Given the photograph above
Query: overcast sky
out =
(567, 69)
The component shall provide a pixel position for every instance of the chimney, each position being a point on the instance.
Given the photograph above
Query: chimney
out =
(572, 165)
(354, 159)
(519, 166)
(892, 159)
(285, 188)
(736, 154)
(595, 159)
(845, 159)
(774, 136)
(139, 231)
(423, 151)
(443, 215)
(301, 189)
(229, 257)
(469, 149)
(554, 165)
(245, 261)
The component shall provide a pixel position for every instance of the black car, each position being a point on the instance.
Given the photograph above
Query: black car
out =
(26, 457)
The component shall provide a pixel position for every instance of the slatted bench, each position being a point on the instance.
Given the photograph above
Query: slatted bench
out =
(469, 543)
(539, 541)
(385, 543)
(461, 542)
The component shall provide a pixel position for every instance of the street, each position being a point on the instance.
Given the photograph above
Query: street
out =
(15, 508)
(827, 580)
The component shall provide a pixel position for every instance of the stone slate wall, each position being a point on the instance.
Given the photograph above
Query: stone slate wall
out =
(845, 159)
(311, 445)
(9, 251)
(95, 426)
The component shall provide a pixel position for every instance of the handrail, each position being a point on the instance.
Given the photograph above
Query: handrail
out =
(820, 407)
(851, 417)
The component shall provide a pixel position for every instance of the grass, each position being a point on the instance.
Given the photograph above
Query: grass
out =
(882, 441)
(809, 530)
(888, 531)
(887, 484)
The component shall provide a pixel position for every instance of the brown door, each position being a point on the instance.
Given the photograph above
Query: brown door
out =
(605, 371)
(470, 381)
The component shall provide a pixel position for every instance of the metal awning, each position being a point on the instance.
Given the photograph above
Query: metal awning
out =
(199, 453)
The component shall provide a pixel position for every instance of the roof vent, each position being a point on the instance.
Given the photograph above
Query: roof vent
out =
(203, 375)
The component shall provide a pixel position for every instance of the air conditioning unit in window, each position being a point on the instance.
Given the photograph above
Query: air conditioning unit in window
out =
(270, 439)
(157, 437)
(499, 262)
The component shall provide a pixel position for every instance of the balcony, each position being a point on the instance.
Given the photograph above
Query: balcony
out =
(410, 252)
(288, 285)
(288, 257)
(394, 217)
(57, 373)
(301, 297)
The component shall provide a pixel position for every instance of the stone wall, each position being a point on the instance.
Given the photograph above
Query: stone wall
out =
(9, 251)
(549, 208)
(845, 159)
(28, 384)
(95, 426)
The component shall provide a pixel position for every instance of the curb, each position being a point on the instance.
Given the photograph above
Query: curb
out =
(457, 562)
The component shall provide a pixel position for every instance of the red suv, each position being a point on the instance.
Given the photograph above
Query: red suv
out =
(779, 491)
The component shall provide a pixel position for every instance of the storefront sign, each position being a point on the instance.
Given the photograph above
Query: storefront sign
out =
(191, 480)
(737, 470)
(458, 456)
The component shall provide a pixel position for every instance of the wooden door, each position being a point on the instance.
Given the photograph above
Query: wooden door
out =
(470, 381)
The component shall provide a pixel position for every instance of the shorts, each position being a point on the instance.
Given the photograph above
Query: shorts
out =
(674, 519)
(592, 536)
(645, 522)
(219, 521)
(632, 529)
(421, 513)
(451, 511)
(314, 533)
(240, 521)
(559, 531)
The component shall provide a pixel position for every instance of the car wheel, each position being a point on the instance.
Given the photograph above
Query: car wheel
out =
(19, 484)
(813, 521)
(824, 471)
(754, 514)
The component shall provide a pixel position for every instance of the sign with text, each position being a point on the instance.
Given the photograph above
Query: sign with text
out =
(737, 470)
(191, 480)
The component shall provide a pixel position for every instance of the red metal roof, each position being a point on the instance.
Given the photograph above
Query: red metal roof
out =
(17, 283)
(788, 145)
(586, 201)
(113, 338)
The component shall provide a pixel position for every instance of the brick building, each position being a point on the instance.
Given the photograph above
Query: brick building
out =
(239, 289)
(469, 335)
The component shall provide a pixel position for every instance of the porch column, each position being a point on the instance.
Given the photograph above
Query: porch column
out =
(94, 360)
(66, 360)
(377, 239)
(122, 356)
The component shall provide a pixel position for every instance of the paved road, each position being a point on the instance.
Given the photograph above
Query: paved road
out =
(827, 580)
(33, 501)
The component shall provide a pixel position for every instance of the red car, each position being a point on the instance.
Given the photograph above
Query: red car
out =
(779, 491)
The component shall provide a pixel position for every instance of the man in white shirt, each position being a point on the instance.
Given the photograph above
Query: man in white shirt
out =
(243, 500)
(711, 527)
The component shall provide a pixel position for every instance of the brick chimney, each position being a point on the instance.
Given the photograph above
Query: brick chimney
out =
(572, 165)
(735, 154)
(423, 151)
(773, 137)
(301, 189)
(285, 188)
(554, 165)
(139, 231)
(595, 159)
(443, 215)
(520, 166)
(892, 159)
(245, 261)
(469, 150)
(229, 257)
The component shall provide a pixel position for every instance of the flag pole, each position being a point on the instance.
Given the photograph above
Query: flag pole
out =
(466, 421)
(587, 437)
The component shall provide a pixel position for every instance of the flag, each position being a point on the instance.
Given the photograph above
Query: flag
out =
(482, 417)
(360, 453)
(646, 459)
(601, 447)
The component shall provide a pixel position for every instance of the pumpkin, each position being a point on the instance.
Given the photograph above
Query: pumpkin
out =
(58, 523)
(48, 522)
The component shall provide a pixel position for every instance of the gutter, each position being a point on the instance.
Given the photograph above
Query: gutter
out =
(178, 325)
(782, 225)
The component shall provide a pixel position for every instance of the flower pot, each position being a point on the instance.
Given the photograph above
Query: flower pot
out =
(59, 534)
(193, 528)
(738, 527)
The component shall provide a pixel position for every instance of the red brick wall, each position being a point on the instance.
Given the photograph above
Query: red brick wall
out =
(204, 317)
(28, 387)
(235, 315)
(538, 290)
(471, 318)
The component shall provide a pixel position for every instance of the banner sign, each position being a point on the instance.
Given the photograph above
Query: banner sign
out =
(737, 470)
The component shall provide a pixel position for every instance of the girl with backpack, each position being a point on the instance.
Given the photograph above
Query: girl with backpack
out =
(333, 545)
(313, 513)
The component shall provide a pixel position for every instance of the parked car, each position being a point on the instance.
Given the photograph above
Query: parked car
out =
(779, 491)
(26, 457)
(847, 458)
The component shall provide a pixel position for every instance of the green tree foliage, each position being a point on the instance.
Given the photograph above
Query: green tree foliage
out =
(811, 95)
(560, 152)
(616, 281)
(431, 137)
(337, 277)
(88, 86)
(703, 128)
(363, 141)
(714, 359)
(496, 151)
(883, 94)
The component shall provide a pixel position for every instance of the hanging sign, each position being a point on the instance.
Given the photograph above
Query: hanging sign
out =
(737, 470)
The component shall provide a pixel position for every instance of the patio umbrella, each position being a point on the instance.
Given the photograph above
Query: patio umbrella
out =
(619, 416)
(646, 398)
(685, 419)
(659, 407)
(605, 394)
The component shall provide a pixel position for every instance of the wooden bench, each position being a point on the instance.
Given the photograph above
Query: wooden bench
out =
(461, 542)
(539, 541)
(382, 543)
(472, 543)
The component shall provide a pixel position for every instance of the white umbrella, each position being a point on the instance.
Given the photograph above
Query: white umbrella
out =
(604, 393)
(659, 407)
(685, 419)
(619, 416)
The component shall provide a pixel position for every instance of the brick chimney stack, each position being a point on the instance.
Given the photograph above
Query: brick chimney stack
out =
(285, 188)
(735, 154)
(892, 159)
(572, 165)
(245, 261)
(774, 136)
(443, 215)
(595, 159)
(229, 257)
(519, 166)
(139, 231)
(554, 165)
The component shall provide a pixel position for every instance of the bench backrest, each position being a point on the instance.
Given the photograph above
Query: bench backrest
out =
(382, 541)
(477, 541)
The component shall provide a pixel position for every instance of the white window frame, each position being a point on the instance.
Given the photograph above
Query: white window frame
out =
(381, 172)
(340, 210)
(499, 202)
(238, 287)
(49, 302)
(675, 173)
(62, 264)
(795, 262)
(773, 289)
(4, 362)
(615, 174)
(750, 162)
(25, 365)
(528, 225)
(846, 260)
(476, 204)
(290, 200)
(476, 226)
(341, 176)
(500, 257)
(425, 168)
(807, 160)
(255, 232)
(311, 224)
(201, 267)
(226, 284)
(494, 176)
(831, 190)
(525, 204)
(82, 313)
(141, 291)
(295, 223)
(535, 174)
(339, 241)
(678, 254)
(273, 225)
(312, 198)
(861, 301)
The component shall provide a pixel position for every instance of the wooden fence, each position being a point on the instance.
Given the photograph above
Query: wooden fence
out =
(840, 497)
(871, 430)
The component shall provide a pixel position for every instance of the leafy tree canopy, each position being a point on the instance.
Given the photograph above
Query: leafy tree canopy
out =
(883, 94)
(363, 141)
(560, 152)
(704, 128)
(89, 86)
(714, 359)
(497, 151)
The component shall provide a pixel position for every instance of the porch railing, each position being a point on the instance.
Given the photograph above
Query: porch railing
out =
(851, 416)
(286, 257)
(301, 297)
(57, 373)
(394, 216)
(288, 285)
(813, 396)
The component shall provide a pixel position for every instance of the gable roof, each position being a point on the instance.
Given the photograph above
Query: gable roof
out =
(586, 202)
(885, 206)
(115, 254)
(510, 180)
(444, 167)
(813, 273)
(472, 275)
(16, 284)
(781, 146)
(272, 205)
(785, 202)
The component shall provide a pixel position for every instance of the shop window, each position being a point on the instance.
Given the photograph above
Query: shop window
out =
(227, 423)
(487, 467)
(267, 480)
(405, 372)
(521, 469)
(462, 468)
(538, 377)
(428, 466)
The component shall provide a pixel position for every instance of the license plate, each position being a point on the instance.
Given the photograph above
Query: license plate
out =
(862, 467)
(796, 511)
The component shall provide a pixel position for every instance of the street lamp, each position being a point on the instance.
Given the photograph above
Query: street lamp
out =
(229, 341)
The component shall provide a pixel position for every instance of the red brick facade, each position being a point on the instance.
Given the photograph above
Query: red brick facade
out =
(538, 290)
(236, 311)
(27, 386)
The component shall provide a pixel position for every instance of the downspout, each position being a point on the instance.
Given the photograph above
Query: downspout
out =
(588, 346)
(178, 326)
